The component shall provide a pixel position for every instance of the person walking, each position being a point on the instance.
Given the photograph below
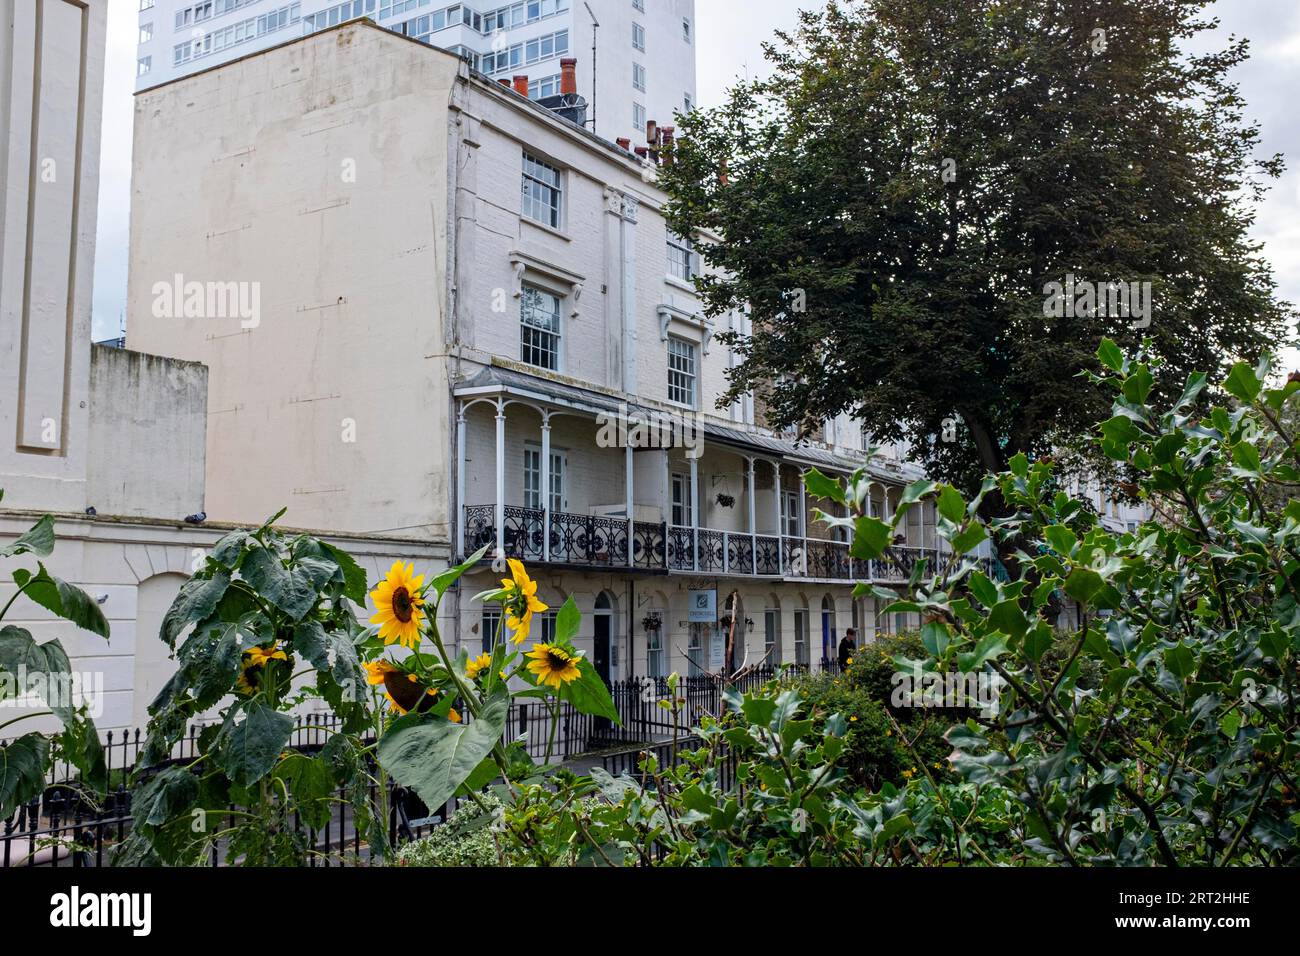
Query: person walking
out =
(848, 644)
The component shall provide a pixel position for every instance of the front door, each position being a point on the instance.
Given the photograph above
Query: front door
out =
(600, 657)
(600, 660)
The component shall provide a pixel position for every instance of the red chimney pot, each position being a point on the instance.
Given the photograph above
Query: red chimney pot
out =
(569, 77)
(521, 85)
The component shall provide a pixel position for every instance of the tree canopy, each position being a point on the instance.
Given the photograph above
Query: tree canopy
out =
(893, 204)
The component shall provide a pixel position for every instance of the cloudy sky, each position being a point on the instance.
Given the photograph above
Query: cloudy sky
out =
(730, 34)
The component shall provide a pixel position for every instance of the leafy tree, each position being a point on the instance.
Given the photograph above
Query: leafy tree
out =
(892, 204)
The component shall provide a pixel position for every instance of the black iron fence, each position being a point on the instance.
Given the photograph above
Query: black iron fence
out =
(66, 826)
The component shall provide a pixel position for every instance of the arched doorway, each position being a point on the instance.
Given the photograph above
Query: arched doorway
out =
(153, 666)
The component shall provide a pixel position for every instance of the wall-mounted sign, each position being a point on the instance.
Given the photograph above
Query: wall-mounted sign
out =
(703, 606)
(717, 649)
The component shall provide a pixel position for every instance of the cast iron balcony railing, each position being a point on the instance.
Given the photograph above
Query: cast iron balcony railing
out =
(598, 541)
(574, 539)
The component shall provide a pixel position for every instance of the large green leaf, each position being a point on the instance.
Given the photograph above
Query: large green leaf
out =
(22, 771)
(165, 796)
(294, 590)
(211, 656)
(870, 538)
(20, 654)
(354, 577)
(434, 757)
(588, 694)
(1243, 383)
(196, 600)
(38, 540)
(80, 744)
(250, 742)
(452, 575)
(311, 782)
(820, 486)
(333, 653)
(567, 622)
(65, 600)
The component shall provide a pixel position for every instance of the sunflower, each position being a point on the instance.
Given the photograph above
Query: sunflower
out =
(377, 670)
(553, 666)
(405, 693)
(398, 605)
(521, 600)
(256, 658)
(477, 664)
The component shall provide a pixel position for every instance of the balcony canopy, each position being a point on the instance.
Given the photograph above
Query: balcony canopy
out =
(501, 380)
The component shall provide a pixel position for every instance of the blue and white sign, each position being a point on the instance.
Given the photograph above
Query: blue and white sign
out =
(703, 606)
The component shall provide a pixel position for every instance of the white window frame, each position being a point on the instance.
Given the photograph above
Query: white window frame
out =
(680, 503)
(683, 372)
(489, 623)
(143, 66)
(531, 334)
(772, 635)
(638, 37)
(638, 76)
(801, 618)
(656, 660)
(638, 116)
(533, 478)
(146, 32)
(681, 258)
(687, 31)
(695, 649)
(790, 523)
(542, 192)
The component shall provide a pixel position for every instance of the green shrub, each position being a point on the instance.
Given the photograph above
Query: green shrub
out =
(466, 839)
(877, 749)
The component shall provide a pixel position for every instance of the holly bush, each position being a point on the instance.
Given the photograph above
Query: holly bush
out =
(1181, 747)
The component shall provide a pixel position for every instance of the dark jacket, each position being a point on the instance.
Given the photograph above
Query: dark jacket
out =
(847, 647)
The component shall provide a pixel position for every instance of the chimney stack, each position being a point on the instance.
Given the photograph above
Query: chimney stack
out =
(569, 77)
(668, 133)
(521, 85)
(652, 133)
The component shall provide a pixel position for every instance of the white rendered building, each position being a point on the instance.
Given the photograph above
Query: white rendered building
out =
(459, 289)
(635, 58)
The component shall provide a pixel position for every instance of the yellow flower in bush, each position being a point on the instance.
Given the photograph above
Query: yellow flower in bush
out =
(405, 693)
(376, 671)
(398, 605)
(476, 665)
(552, 666)
(521, 601)
(256, 658)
